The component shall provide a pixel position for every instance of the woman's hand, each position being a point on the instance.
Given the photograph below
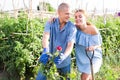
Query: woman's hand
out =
(91, 48)
(51, 20)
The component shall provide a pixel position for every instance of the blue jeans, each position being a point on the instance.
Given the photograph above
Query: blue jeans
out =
(62, 71)
(40, 76)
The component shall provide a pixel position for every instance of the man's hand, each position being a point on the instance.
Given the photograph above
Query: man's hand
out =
(44, 57)
(60, 58)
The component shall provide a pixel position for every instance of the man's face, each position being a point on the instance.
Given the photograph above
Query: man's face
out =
(64, 15)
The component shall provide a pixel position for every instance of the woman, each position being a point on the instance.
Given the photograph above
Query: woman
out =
(88, 39)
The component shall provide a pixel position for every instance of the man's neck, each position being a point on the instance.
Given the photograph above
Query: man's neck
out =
(62, 24)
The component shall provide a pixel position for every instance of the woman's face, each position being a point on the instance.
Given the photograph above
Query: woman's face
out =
(80, 18)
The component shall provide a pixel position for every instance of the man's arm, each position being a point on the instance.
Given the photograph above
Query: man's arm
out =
(45, 40)
(71, 41)
(69, 48)
(63, 56)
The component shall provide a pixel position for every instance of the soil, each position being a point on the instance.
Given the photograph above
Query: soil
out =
(3, 76)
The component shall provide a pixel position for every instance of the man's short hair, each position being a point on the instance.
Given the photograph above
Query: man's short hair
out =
(62, 6)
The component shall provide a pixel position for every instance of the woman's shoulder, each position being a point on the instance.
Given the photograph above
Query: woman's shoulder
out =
(93, 29)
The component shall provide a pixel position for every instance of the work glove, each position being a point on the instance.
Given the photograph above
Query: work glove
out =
(44, 56)
(60, 58)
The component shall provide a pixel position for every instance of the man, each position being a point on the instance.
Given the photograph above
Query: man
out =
(59, 33)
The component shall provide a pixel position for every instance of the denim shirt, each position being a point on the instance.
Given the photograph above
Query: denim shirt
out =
(60, 38)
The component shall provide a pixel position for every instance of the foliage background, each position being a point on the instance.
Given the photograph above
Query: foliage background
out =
(20, 45)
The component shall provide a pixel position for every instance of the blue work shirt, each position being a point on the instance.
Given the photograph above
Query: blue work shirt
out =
(60, 38)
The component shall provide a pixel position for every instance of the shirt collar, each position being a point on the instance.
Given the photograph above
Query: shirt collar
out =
(58, 23)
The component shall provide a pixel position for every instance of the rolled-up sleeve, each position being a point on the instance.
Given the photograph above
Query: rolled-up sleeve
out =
(72, 34)
(47, 27)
